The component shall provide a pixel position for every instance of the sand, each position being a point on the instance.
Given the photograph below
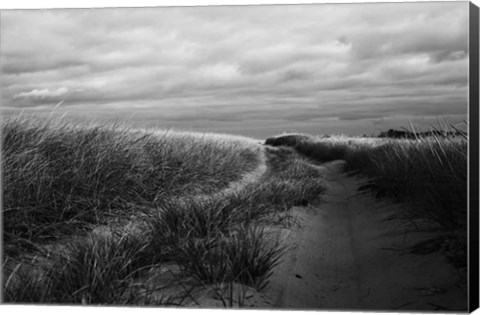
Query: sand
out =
(347, 256)
(343, 255)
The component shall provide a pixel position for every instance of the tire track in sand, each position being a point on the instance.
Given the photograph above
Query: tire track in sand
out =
(338, 259)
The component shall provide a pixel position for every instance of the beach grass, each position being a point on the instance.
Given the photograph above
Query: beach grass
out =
(427, 173)
(88, 210)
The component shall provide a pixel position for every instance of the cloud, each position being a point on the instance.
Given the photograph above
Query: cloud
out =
(293, 63)
(42, 94)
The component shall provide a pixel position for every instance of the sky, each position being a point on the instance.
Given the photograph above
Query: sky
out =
(251, 70)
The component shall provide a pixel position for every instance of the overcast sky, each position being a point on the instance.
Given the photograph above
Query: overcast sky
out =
(256, 70)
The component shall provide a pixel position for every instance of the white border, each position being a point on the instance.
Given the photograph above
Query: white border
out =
(47, 4)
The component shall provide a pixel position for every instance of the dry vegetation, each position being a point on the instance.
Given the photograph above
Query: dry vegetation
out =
(428, 174)
(95, 214)
(90, 212)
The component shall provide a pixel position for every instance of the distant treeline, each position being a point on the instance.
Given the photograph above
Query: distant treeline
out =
(406, 134)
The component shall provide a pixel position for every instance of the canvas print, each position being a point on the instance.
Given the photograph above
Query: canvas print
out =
(295, 157)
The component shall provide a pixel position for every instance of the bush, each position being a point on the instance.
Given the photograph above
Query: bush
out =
(290, 140)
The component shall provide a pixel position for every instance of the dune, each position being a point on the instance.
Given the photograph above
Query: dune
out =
(347, 256)
(223, 200)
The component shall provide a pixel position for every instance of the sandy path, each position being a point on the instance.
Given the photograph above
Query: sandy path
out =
(246, 179)
(341, 258)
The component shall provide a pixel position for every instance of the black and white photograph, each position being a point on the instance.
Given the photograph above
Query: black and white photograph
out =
(263, 156)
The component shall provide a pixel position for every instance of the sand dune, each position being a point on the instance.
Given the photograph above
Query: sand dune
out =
(346, 256)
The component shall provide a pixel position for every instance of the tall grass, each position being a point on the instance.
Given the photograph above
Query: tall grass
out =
(88, 209)
(93, 270)
(61, 178)
(218, 239)
(427, 173)
(240, 256)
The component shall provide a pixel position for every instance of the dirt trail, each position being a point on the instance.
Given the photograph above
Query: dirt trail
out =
(343, 257)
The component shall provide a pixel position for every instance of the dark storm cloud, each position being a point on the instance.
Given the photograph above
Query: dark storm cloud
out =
(292, 63)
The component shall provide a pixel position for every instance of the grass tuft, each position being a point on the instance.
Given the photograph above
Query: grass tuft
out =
(241, 256)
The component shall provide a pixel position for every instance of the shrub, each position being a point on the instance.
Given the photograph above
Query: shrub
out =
(290, 140)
